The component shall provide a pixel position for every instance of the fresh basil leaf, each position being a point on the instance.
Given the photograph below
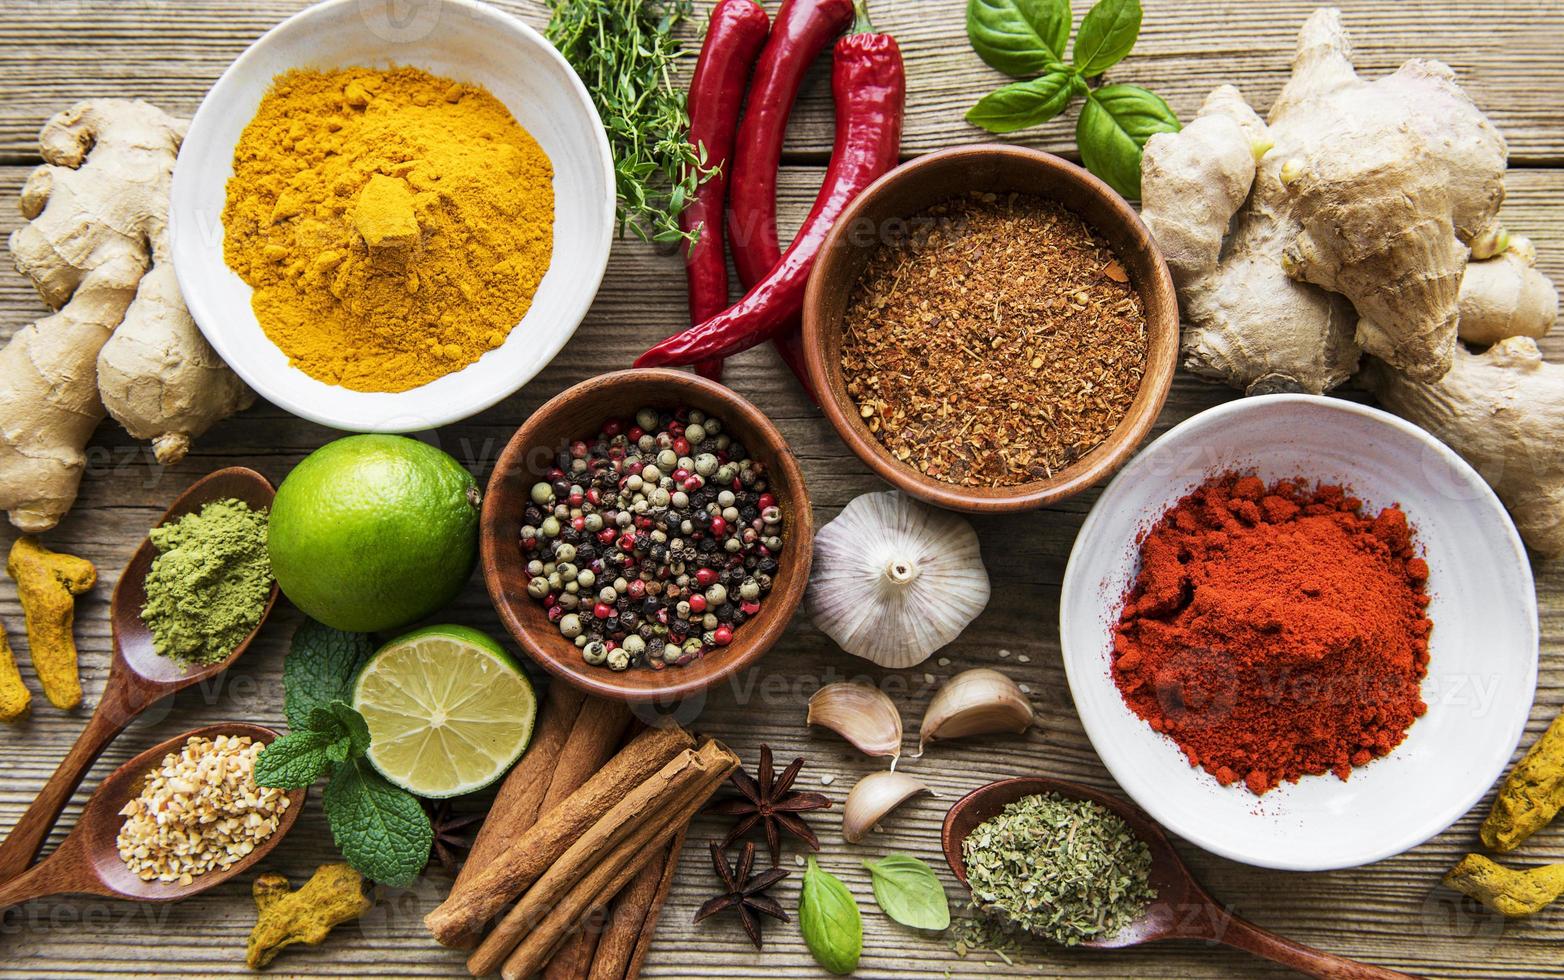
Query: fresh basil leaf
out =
(381, 830)
(1019, 37)
(1115, 124)
(295, 760)
(319, 668)
(829, 919)
(1022, 104)
(909, 892)
(1107, 34)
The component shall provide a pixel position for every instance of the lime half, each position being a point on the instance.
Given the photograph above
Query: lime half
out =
(448, 710)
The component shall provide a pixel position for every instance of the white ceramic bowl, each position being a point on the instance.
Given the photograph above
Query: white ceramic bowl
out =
(460, 39)
(1483, 649)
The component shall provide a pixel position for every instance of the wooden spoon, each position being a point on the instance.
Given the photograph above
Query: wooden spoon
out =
(88, 863)
(138, 676)
(1181, 910)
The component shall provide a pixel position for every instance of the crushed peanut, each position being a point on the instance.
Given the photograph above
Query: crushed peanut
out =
(201, 810)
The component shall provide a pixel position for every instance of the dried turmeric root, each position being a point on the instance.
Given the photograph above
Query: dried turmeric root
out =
(1531, 795)
(333, 895)
(47, 583)
(14, 696)
(1514, 893)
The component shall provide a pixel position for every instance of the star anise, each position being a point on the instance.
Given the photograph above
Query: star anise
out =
(770, 801)
(744, 891)
(451, 839)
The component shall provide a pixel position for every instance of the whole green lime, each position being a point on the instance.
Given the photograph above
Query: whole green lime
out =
(372, 532)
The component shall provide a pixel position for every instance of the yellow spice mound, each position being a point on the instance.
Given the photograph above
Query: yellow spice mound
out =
(394, 225)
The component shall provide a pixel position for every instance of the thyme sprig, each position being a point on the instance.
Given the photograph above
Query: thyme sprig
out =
(626, 53)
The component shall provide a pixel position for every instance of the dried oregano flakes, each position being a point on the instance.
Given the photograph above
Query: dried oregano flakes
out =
(1064, 869)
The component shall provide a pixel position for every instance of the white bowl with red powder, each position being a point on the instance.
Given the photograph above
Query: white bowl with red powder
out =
(1482, 669)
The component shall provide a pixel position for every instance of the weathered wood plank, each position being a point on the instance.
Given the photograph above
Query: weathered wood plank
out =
(1393, 912)
(52, 54)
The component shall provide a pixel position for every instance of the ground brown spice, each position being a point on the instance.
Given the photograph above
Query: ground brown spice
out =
(995, 343)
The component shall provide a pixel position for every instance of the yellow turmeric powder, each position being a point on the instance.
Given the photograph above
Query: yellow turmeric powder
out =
(393, 225)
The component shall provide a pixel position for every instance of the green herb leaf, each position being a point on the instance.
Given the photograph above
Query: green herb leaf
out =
(1107, 34)
(1114, 127)
(627, 53)
(319, 668)
(295, 760)
(344, 724)
(909, 892)
(381, 830)
(1019, 37)
(1022, 104)
(829, 919)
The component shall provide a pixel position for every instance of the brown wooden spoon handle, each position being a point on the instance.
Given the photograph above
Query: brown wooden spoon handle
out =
(67, 871)
(115, 710)
(1245, 935)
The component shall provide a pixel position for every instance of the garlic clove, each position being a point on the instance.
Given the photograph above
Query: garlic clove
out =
(895, 579)
(975, 702)
(862, 714)
(875, 796)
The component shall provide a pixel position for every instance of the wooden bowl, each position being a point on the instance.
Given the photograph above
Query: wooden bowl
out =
(577, 414)
(925, 182)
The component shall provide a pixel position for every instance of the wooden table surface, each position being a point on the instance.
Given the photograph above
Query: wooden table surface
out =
(54, 52)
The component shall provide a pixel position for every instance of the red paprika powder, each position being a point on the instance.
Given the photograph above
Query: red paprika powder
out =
(1276, 632)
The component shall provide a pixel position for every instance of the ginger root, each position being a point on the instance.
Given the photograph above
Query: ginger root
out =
(47, 584)
(14, 696)
(1513, 893)
(97, 215)
(1531, 795)
(158, 376)
(1506, 296)
(332, 896)
(1503, 412)
(1355, 232)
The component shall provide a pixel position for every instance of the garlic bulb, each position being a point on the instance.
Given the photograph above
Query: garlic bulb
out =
(895, 579)
(979, 701)
(863, 715)
(876, 795)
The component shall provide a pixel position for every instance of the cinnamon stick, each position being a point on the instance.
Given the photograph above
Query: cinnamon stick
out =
(465, 911)
(608, 877)
(520, 799)
(622, 947)
(576, 955)
(642, 810)
(597, 734)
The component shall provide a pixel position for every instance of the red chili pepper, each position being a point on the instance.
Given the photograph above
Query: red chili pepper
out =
(869, 86)
(733, 39)
(804, 28)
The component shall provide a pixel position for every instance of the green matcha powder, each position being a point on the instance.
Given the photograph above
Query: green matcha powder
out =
(209, 583)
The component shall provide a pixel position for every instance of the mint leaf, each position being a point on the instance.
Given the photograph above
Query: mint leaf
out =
(1115, 124)
(319, 668)
(1022, 104)
(1019, 37)
(909, 892)
(295, 760)
(343, 722)
(1107, 35)
(381, 830)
